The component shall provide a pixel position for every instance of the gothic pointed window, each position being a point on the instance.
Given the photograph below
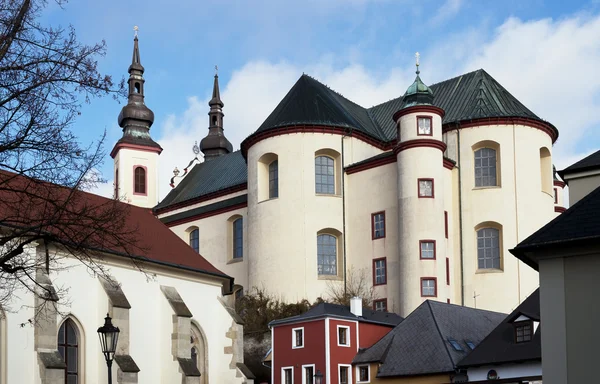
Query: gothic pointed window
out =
(140, 180)
(68, 347)
(198, 352)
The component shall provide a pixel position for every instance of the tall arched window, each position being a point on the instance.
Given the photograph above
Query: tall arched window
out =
(546, 170)
(198, 352)
(326, 254)
(238, 238)
(274, 179)
(485, 167)
(140, 180)
(68, 347)
(195, 240)
(488, 248)
(324, 175)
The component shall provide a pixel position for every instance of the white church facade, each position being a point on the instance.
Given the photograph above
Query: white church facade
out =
(425, 193)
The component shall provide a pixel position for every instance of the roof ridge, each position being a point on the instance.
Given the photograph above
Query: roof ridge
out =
(440, 331)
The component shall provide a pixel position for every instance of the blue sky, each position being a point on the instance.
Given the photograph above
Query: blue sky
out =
(547, 53)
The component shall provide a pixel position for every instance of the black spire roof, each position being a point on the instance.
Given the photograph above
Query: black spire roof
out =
(135, 117)
(215, 143)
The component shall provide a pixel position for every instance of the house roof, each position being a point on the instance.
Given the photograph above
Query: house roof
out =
(420, 344)
(323, 310)
(588, 163)
(578, 225)
(500, 346)
(211, 176)
(74, 217)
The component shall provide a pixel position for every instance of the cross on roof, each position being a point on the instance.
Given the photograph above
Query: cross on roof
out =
(135, 30)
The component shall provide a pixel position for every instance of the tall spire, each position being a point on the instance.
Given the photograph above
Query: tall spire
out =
(215, 143)
(135, 117)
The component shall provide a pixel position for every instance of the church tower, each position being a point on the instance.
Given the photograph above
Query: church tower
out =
(419, 152)
(136, 154)
(215, 143)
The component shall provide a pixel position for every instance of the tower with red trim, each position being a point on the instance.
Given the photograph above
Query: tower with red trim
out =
(419, 152)
(135, 155)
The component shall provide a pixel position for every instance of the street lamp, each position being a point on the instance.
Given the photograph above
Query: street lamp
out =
(109, 336)
(318, 377)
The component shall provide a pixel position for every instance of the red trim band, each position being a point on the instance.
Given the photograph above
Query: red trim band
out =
(207, 214)
(419, 108)
(371, 164)
(118, 146)
(558, 183)
(430, 143)
(209, 196)
(449, 164)
(559, 209)
(542, 125)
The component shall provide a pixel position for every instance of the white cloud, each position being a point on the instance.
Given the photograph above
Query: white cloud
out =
(446, 11)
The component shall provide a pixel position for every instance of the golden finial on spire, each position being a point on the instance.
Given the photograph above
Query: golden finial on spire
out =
(135, 30)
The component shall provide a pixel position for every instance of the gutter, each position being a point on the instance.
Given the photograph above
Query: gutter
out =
(460, 221)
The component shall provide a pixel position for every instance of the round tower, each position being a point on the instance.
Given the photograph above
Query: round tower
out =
(419, 152)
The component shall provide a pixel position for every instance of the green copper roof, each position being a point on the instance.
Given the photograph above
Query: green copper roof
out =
(418, 93)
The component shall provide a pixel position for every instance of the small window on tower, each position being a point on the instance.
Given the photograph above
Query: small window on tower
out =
(425, 187)
(139, 181)
(214, 120)
(424, 126)
(137, 87)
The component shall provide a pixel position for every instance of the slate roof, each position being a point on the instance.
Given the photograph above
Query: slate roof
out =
(500, 346)
(585, 164)
(217, 174)
(419, 345)
(578, 225)
(342, 312)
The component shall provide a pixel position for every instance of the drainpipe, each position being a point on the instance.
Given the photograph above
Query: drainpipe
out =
(460, 221)
(347, 133)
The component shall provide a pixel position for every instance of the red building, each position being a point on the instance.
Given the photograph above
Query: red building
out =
(325, 339)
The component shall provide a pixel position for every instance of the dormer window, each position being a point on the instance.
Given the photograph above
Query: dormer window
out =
(523, 331)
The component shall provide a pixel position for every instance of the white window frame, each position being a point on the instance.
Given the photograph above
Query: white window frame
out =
(340, 366)
(304, 373)
(368, 373)
(347, 336)
(294, 346)
(283, 374)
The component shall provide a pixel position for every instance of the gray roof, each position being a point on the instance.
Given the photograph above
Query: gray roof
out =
(420, 344)
(578, 225)
(500, 345)
(586, 164)
(211, 176)
(341, 312)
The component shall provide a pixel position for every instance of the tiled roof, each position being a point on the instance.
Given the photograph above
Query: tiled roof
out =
(24, 204)
(207, 177)
(585, 164)
(577, 225)
(420, 345)
(342, 312)
(500, 346)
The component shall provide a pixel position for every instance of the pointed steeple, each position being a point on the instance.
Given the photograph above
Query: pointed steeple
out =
(418, 93)
(215, 143)
(135, 117)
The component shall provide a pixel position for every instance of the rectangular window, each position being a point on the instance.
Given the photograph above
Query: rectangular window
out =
(378, 225)
(426, 188)
(555, 196)
(343, 336)
(427, 249)
(424, 126)
(298, 338)
(308, 374)
(380, 305)
(287, 375)
(447, 271)
(428, 286)
(345, 374)
(362, 374)
(446, 223)
(379, 271)
(523, 331)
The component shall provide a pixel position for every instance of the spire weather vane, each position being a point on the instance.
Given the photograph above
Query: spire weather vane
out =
(216, 70)
(417, 57)
(135, 30)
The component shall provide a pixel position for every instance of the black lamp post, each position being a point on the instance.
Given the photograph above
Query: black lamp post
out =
(318, 377)
(109, 336)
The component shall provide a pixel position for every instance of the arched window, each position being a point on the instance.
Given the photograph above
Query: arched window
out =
(137, 87)
(326, 254)
(68, 347)
(195, 240)
(274, 179)
(485, 167)
(140, 180)
(488, 248)
(238, 238)
(324, 175)
(214, 120)
(198, 352)
(546, 170)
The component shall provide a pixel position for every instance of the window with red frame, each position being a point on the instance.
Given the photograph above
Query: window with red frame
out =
(140, 180)
(426, 188)
(378, 225)
(424, 126)
(555, 196)
(380, 305)
(427, 249)
(428, 287)
(446, 223)
(379, 271)
(447, 271)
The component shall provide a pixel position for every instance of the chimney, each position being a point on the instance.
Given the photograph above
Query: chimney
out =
(356, 306)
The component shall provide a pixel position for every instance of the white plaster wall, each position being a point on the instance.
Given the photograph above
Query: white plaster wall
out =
(151, 319)
(216, 243)
(507, 371)
(581, 185)
(124, 161)
(283, 231)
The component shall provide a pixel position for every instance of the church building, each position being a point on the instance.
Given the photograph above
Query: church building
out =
(423, 194)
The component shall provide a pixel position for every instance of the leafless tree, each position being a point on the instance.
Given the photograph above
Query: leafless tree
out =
(358, 284)
(45, 76)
